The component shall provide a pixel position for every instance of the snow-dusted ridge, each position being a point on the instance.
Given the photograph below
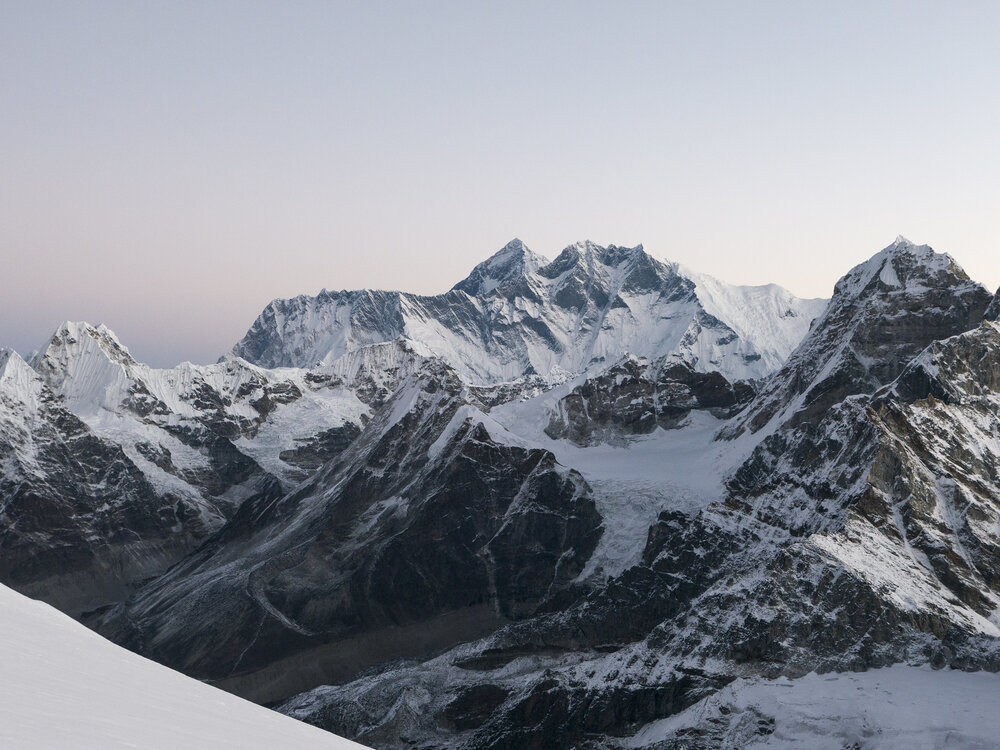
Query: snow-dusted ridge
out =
(518, 315)
(883, 312)
(266, 412)
(769, 315)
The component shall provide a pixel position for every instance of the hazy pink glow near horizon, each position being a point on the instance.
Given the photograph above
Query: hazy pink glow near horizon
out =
(168, 169)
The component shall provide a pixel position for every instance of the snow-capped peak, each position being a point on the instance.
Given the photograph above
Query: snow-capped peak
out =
(72, 337)
(900, 265)
(883, 312)
(86, 365)
(21, 392)
(521, 316)
(511, 262)
(5, 356)
(14, 371)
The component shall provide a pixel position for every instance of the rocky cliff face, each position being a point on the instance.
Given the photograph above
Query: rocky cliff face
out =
(635, 397)
(883, 313)
(993, 311)
(79, 521)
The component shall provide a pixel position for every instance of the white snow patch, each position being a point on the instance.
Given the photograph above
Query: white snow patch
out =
(888, 275)
(896, 708)
(679, 470)
(64, 686)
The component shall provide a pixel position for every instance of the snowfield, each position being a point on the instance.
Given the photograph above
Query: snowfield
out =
(66, 687)
(896, 708)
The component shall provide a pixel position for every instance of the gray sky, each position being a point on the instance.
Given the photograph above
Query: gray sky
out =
(169, 168)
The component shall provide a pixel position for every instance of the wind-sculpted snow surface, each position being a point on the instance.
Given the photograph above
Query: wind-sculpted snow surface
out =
(65, 687)
(518, 315)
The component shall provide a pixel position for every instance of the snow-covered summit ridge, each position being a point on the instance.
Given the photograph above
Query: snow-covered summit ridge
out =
(514, 260)
(518, 315)
(900, 265)
(20, 386)
(767, 314)
(12, 365)
(883, 312)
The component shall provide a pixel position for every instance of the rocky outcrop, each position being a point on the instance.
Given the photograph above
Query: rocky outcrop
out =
(882, 314)
(993, 311)
(634, 397)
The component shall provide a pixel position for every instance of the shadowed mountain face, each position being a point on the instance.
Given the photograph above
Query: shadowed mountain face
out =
(993, 311)
(79, 520)
(558, 503)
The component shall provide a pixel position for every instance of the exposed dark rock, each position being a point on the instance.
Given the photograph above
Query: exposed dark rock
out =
(634, 398)
(993, 311)
(882, 314)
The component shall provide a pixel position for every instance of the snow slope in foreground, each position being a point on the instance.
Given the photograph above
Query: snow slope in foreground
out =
(897, 708)
(62, 686)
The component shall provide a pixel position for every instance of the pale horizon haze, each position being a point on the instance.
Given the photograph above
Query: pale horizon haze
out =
(168, 169)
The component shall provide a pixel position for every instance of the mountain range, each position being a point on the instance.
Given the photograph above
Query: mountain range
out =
(564, 504)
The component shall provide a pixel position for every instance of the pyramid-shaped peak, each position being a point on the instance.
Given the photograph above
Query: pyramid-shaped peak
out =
(73, 339)
(18, 382)
(901, 245)
(11, 364)
(513, 261)
(902, 265)
(74, 330)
